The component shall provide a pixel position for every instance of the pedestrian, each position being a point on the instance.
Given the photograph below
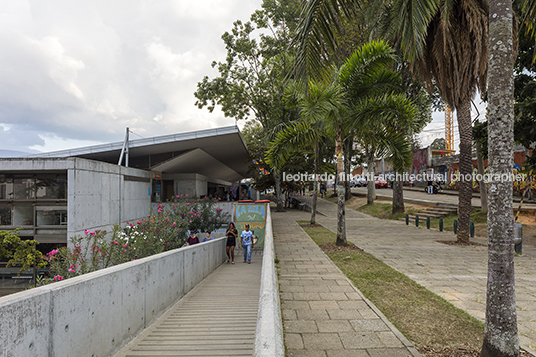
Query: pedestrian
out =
(207, 237)
(247, 241)
(231, 234)
(192, 239)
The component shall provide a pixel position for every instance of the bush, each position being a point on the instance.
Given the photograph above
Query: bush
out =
(160, 231)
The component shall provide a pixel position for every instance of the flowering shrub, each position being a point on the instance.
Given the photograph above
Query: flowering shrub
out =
(162, 230)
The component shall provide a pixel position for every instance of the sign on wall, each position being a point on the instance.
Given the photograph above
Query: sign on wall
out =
(253, 214)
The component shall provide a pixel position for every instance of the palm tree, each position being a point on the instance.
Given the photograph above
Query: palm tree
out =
(377, 105)
(500, 333)
(445, 42)
(319, 102)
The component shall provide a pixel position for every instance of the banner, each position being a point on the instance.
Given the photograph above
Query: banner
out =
(253, 214)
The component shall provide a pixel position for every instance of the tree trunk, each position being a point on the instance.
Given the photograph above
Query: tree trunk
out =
(500, 333)
(347, 167)
(315, 188)
(371, 186)
(341, 220)
(278, 194)
(481, 183)
(398, 195)
(466, 173)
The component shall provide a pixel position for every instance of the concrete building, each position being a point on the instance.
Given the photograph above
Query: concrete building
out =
(53, 196)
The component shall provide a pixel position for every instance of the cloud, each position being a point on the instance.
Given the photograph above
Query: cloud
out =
(80, 72)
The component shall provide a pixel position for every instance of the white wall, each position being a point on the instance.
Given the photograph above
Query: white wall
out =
(99, 196)
(98, 313)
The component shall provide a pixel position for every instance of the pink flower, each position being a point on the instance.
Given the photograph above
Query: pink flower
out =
(174, 224)
(58, 278)
(124, 246)
(188, 204)
(70, 270)
(186, 195)
(159, 210)
(138, 222)
(86, 231)
(92, 234)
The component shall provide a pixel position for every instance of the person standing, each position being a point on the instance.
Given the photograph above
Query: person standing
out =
(192, 239)
(231, 234)
(247, 242)
(207, 237)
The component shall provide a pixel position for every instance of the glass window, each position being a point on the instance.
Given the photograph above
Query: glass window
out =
(51, 216)
(53, 188)
(6, 187)
(23, 216)
(23, 188)
(5, 216)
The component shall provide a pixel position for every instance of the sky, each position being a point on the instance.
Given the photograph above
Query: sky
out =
(77, 73)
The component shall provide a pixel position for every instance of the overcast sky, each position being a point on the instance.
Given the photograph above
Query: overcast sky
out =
(77, 73)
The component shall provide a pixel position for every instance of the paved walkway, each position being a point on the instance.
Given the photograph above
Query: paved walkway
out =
(457, 273)
(216, 318)
(323, 313)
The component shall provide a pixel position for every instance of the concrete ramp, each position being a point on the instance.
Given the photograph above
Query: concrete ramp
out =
(217, 318)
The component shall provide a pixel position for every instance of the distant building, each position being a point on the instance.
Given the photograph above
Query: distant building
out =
(55, 195)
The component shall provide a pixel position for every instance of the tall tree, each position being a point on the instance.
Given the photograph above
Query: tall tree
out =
(445, 42)
(500, 334)
(251, 82)
(319, 102)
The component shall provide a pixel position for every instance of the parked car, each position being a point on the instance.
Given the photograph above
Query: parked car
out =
(359, 181)
(380, 182)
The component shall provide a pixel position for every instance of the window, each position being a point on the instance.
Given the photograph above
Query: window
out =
(5, 216)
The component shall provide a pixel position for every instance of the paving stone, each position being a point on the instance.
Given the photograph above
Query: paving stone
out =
(389, 352)
(323, 305)
(347, 353)
(338, 314)
(305, 353)
(389, 339)
(333, 296)
(307, 296)
(312, 315)
(369, 325)
(334, 326)
(295, 305)
(322, 341)
(289, 315)
(293, 341)
(353, 305)
(360, 340)
(299, 326)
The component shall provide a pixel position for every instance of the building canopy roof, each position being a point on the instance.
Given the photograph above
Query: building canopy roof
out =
(218, 153)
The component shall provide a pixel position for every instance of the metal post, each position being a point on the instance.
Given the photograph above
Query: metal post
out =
(455, 226)
(441, 224)
(428, 222)
(416, 220)
(472, 229)
(407, 219)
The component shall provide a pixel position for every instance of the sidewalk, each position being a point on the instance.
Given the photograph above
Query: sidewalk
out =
(323, 313)
(456, 273)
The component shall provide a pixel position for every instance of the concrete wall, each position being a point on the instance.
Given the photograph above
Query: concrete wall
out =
(98, 313)
(99, 196)
(269, 333)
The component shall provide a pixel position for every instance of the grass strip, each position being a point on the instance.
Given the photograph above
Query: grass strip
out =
(422, 316)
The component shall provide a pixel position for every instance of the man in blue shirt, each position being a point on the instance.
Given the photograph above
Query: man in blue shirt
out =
(247, 242)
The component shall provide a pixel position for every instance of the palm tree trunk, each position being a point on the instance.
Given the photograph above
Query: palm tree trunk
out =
(315, 188)
(466, 173)
(347, 166)
(481, 183)
(500, 332)
(398, 196)
(371, 187)
(341, 219)
(278, 193)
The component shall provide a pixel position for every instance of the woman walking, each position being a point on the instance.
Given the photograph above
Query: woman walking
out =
(231, 234)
